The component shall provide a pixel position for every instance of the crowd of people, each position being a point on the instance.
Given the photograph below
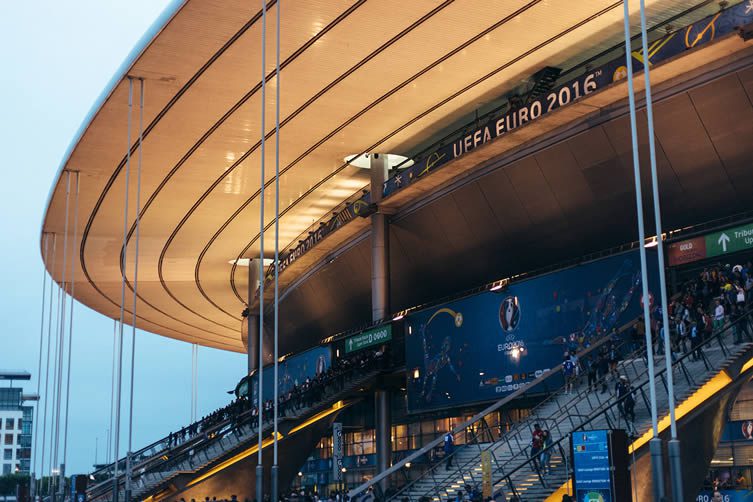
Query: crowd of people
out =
(299, 397)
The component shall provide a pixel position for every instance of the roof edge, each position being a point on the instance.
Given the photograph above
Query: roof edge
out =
(151, 33)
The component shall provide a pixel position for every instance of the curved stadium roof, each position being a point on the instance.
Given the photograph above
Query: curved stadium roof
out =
(357, 76)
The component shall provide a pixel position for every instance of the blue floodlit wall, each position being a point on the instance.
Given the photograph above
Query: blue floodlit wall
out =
(485, 346)
(293, 371)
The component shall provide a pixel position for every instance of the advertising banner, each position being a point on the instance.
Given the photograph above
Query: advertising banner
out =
(291, 372)
(369, 338)
(727, 496)
(482, 347)
(591, 466)
(337, 451)
(670, 45)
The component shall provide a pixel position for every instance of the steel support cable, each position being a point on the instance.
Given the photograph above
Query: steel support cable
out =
(119, 370)
(112, 392)
(260, 367)
(39, 365)
(70, 320)
(657, 468)
(275, 480)
(61, 337)
(129, 473)
(47, 366)
(674, 445)
(52, 387)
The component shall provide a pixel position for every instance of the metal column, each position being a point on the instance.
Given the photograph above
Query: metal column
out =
(380, 303)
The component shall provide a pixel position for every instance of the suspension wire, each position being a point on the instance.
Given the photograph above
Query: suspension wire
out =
(70, 319)
(59, 299)
(656, 456)
(47, 366)
(112, 391)
(261, 236)
(39, 365)
(657, 217)
(129, 467)
(639, 210)
(119, 372)
(61, 334)
(277, 230)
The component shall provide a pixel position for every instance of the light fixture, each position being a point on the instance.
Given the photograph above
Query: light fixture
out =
(496, 287)
(344, 469)
(481, 373)
(416, 374)
(399, 315)
(407, 465)
(652, 242)
(393, 160)
(245, 262)
(515, 353)
(410, 330)
(300, 474)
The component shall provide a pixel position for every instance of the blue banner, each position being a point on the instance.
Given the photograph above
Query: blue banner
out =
(727, 496)
(672, 44)
(293, 371)
(485, 346)
(591, 467)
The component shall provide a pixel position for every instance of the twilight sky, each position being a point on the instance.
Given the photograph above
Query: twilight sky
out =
(57, 58)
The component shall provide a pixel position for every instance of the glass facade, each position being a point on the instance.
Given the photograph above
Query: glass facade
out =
(16, 428)
(360, 445)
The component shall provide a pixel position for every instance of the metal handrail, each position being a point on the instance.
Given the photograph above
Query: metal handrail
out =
(594, 413)
(518, 429)
(554, 372)
(613, 402)
(188, 449)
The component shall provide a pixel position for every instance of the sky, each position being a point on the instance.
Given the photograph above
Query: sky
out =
(57, 57)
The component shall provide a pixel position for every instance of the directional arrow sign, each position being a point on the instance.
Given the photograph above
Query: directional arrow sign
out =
(729, 240)
(723, 240)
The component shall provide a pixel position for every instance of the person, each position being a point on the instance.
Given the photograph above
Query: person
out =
(695, 341)
(626, 403)
(591, 367)
(546, 452)
(537, 443)
(568, 370)
(717, 497)
(614, 358)
(740, 480)
(718, 315)
(449, 447)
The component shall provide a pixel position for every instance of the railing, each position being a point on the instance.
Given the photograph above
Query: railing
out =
(516, 432)
(544, 380)
(193, 452)
(609, 410)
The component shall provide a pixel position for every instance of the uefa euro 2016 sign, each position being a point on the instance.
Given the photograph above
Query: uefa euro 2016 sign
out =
(670, 45)
(376, 336)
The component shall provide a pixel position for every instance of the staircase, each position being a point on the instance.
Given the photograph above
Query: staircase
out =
(155, 473)
(515, 473)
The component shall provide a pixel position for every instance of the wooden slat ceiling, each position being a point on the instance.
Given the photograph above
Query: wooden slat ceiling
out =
(376, 75)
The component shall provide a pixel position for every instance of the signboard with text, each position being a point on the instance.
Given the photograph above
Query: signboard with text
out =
(723, 242)
(601, 466)
(337, 451)
(369, 338)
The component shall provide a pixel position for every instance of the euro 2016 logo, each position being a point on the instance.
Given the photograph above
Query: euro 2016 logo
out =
(509, 314)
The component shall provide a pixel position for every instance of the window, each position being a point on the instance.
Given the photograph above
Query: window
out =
(20, 424)
(8, 454)
(9, 439)
(9, 424)
(6, 468)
